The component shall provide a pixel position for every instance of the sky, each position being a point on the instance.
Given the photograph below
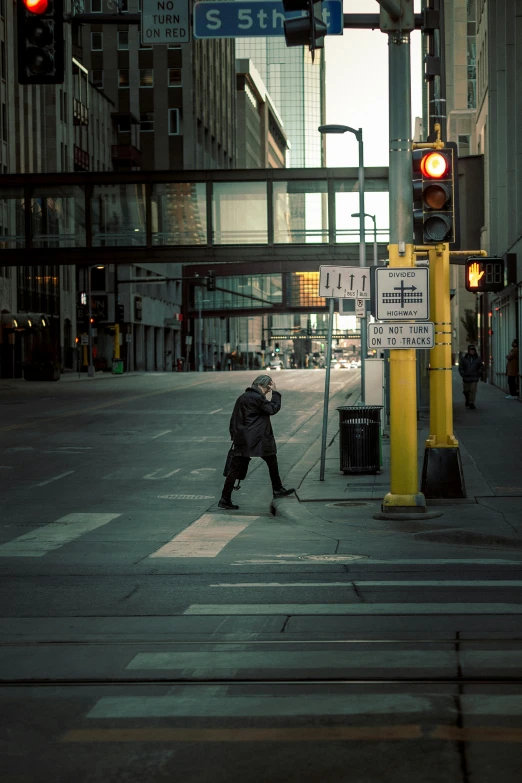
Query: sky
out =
(357, 95)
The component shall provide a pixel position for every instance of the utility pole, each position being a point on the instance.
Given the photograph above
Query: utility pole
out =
(397, 20)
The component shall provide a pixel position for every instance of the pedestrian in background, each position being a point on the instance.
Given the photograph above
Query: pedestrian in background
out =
(470, 368)
(512, 371)
(252, 436)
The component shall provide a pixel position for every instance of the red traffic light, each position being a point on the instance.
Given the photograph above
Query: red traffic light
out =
(36, 6)
(434, 165)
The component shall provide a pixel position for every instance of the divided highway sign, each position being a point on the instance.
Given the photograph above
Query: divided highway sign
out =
(402, 294)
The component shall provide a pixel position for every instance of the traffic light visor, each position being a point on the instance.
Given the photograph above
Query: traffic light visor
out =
(434, 165)
(36, 6)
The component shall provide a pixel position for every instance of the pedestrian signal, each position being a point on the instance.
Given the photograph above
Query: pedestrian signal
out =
(40, 42)
(435, 195)
(484, 274)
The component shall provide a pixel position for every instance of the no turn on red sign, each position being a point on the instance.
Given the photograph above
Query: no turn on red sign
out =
(165, 22)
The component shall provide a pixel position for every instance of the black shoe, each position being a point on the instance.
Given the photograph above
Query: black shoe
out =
(467, 404)
(224, 503)
(281, 492)
(472, 407)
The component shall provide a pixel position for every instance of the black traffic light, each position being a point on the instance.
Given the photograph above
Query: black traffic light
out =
(277, 349)
(484, 274)
(308, 30)
(211, 281)
(435, 195)
(120, 313)
(40, 42)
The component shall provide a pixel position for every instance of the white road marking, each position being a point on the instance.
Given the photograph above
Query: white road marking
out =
(217, 410)
(205, 537)
(299, 559)
(167, 475)
(203, 470)
(355, 609)
(165, 432)
(200, 703)
(300, 659)
(55, 478)
(383, 583)
(54, 535)
(186, 497)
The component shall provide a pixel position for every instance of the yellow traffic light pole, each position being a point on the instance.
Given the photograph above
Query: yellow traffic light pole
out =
(404, 492)
(442, 474)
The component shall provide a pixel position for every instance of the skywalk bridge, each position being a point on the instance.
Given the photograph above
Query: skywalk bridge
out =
(277, 224)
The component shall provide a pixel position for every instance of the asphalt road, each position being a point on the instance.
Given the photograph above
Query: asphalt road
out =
(148, 636)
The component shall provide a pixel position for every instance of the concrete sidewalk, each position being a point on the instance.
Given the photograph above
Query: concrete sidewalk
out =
(489, 439)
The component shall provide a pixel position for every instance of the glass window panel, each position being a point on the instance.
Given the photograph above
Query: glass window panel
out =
(174, 77)
(12, 220)
(347, 227)
(96, 42)
(123, 77)
(123, 40)
(241, 291)
(58, 216)
(303, 290)
(146, 77)
(179, 213)
(118, 215)
(239, 211)
(300, 212)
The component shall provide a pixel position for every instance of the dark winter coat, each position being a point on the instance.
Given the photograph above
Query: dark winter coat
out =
(250, 426)
(470, 367)
(512, 363)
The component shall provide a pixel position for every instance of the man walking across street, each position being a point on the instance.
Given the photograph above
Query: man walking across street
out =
(252, 436)
(512, 371)
(470, 368)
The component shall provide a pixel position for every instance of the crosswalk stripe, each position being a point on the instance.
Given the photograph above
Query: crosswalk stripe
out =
(203, 703)
(354, 609)
(284, 659)
(205, 537)
(206, 701)
(56, 534)
(384, 583)
(304, 734)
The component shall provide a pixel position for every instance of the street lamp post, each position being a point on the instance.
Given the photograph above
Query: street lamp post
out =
(362, 242)
(90, 368)
(200, 341)
(373, 217)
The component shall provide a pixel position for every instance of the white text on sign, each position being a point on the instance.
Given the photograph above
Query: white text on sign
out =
(391, 336)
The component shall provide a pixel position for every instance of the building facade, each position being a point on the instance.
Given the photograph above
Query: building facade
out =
(483, 48)
(44, 129)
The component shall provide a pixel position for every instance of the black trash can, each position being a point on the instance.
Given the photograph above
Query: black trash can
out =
(360, 438)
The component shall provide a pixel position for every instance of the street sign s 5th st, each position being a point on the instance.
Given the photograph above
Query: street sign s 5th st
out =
(262, 18)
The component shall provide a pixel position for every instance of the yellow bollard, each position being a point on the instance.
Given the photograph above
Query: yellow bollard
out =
(116, 341)
(404, 494)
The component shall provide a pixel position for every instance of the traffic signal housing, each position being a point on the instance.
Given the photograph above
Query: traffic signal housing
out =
(308, 30)
(277, 349)
(484, 274)
(435, 196)
(211, 281)
(40, 42)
